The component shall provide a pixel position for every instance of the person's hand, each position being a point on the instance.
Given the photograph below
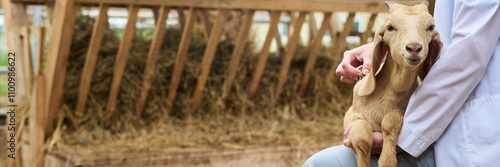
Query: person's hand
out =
(353, 58)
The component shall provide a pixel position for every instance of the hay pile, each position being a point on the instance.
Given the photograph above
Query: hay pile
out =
(235, 123)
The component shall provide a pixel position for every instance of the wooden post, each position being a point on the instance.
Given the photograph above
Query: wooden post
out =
(27, 60)
(181, 56)
(341, 40)
(37, 123)
(88, 69)
(290, 26)
(15, 18)
(121, 58)
(40, 47)
(57, 57)
(208, 57)
(368, 31)
(206, 23)
(261, 62)
(153, 54)
(277, 38)
(287, 59)
(238, 50)
(311, 60)
(181, 17)
(313, 30)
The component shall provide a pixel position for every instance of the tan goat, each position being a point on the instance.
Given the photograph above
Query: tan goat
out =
(410, 46)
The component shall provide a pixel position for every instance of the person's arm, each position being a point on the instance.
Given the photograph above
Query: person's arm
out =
(462, 64)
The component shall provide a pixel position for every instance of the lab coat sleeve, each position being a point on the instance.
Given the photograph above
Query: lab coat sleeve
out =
(472, 40)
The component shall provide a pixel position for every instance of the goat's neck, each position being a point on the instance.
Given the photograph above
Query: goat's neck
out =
(399, 78)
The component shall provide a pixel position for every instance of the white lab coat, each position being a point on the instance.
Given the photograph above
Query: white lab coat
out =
(458, 104)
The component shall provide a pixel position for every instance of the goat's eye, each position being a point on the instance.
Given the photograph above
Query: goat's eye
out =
(431, 28)
(390, 28)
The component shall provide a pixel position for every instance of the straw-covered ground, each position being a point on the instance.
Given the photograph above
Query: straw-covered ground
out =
(232, 124)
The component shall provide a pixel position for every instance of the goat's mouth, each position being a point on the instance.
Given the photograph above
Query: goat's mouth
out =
(412, 59)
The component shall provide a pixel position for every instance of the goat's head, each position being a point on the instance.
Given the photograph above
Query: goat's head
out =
(409, 35)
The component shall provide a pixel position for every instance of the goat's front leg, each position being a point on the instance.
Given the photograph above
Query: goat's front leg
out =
(361, 140)
(391, 127)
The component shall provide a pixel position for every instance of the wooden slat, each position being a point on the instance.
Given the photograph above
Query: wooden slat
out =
(281, 5)
(261, 62)
(121, 58)
(15, 18)
(368, 31)
(316, 45)
(238, 50)
(40, 48)
(27, 60)
(153, 54)
(206, 23)
(37, 122)
(290, 26)
(290, 51)
(208, 57)
(57, 57)
(277, 38)
(345, 32)
(90, 60)
(181, 17)
(181, 56)
(313, 30)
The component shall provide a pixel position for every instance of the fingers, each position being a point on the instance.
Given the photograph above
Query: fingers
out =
(349, 80)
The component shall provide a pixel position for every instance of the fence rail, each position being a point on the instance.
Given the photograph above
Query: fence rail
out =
(62, 14)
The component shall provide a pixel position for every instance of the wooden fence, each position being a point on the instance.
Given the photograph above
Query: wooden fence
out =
(47, 84)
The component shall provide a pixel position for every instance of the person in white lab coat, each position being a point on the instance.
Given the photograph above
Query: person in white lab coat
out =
(453, 118)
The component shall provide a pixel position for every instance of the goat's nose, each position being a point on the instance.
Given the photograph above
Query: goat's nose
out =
(414, 48)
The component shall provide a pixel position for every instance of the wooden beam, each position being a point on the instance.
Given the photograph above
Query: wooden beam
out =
(15, 18)
(38, 116)
(368, 31)
(290, 51)
(238, 50)
(313, 30)
(57, 57)
(277, 38)
(316, 46)
(208, 57)
(181, 56)
(281, 5)
(121, 58)
(27, 60)
(181, 17)
(261, 62)
(90, 60)
(345, 32)
(40, 47)
(292, 16)
(206, 23)
(153, 54)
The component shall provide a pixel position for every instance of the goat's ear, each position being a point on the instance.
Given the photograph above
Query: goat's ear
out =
(435, 47)
(379, 52)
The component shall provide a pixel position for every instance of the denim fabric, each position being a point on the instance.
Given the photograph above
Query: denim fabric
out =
(341, 156)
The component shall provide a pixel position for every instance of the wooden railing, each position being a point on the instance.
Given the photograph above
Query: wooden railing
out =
(49, 84)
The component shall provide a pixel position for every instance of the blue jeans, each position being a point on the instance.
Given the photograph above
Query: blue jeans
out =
(341, 156)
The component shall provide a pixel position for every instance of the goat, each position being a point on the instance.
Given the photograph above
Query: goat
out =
(410, 45)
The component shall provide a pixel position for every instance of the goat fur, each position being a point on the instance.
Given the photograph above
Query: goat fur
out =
(410, 45)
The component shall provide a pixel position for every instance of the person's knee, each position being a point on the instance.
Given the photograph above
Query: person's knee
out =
(333, 156)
